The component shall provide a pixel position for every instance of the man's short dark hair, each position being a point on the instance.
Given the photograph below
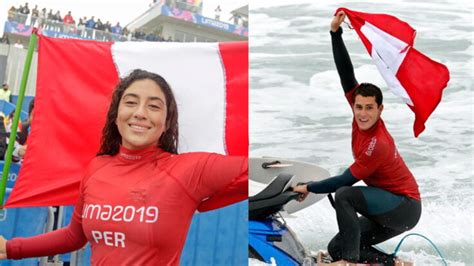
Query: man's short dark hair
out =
(369, 90)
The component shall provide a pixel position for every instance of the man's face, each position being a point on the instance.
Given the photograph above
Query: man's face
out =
(366, 111)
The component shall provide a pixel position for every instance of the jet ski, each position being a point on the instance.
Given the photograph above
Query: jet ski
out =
(271, 240)
(271, 198)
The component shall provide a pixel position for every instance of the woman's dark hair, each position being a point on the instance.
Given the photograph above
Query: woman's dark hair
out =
(111, 138)
(369, 90)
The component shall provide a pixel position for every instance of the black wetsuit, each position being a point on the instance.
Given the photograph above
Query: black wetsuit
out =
(383, 214)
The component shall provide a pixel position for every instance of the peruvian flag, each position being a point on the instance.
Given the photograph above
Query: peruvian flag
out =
(412, 76)
(75, 82)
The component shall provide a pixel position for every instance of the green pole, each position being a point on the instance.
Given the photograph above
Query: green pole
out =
(16, 118)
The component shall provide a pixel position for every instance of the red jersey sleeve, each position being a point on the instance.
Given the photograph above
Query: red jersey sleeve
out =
(224, 181)
(349, 95)
(370, 158)
(60, 241)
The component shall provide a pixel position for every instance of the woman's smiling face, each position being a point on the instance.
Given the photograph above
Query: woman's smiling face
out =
(141, 118)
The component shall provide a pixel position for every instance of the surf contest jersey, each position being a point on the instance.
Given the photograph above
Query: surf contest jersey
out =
(377, 161)
(135, 208)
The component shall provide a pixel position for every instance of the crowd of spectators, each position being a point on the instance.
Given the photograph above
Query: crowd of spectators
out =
(236, 17)
(194, 6)
(92, 28)
(188, 5)
(6, 122)
(87, 28)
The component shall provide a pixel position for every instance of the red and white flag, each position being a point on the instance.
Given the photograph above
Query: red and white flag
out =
(75, 82)
(412, 76)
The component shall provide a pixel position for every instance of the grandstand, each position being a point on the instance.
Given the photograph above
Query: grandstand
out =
(186, 26)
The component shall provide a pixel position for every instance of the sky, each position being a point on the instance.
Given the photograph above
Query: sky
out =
(123, 11)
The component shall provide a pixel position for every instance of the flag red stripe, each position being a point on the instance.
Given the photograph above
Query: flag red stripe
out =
(387, 23)
(424, 92)
(235, 60)
(70, 117)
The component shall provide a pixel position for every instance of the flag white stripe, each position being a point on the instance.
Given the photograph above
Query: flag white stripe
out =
(388, 56)
(195, 73)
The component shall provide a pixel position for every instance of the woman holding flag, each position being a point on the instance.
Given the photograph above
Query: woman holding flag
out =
(390, 204)
(138, 196)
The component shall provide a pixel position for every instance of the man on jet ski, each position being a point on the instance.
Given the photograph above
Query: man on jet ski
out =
(390, 204)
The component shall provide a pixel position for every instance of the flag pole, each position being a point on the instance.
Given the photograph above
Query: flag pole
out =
(16, 118)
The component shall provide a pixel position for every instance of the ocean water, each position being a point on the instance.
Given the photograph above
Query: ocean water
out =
(297, 111)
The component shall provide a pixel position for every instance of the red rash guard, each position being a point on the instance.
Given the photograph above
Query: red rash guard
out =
(377, 161)
(135, 208)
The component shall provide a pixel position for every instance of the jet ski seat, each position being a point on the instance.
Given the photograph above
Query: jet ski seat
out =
(273, 198)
